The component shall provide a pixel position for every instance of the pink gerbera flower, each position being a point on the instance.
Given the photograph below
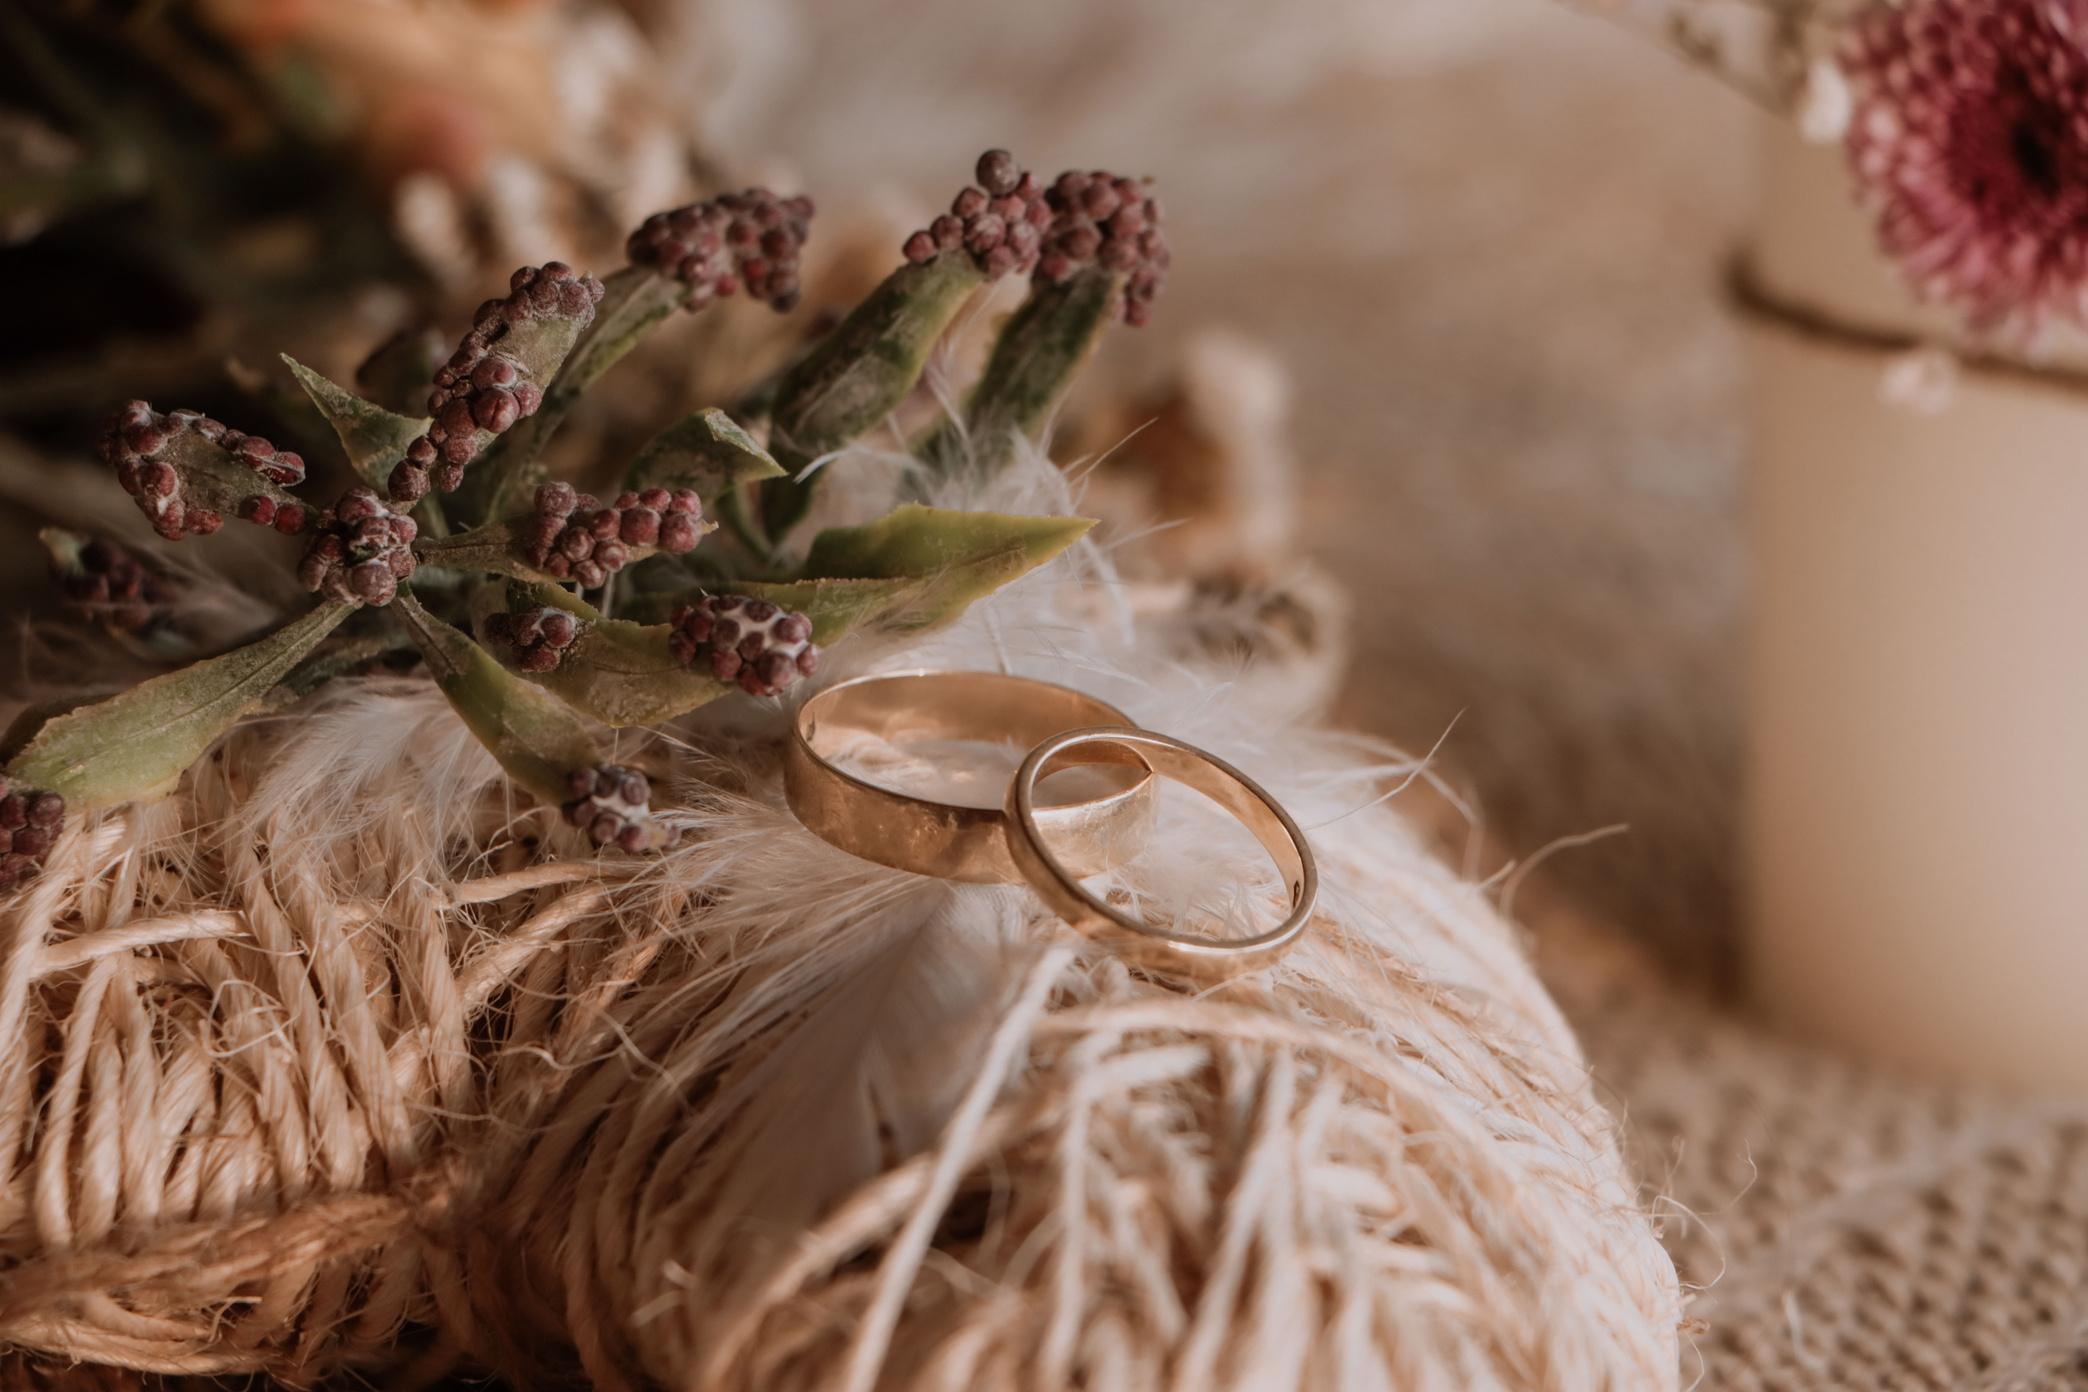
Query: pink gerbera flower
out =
(1969, 143)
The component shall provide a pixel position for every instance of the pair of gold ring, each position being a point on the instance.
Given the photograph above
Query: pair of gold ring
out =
(1050, 847)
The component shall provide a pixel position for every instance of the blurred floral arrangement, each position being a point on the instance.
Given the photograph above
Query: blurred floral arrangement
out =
(1965, 124)
(188, 181)
(458, 546)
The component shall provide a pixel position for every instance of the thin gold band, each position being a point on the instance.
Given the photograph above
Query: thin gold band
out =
(948, 840)
(1059, 883)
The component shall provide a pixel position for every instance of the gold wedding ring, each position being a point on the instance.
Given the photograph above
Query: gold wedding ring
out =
(950, 840)
(1059, 882)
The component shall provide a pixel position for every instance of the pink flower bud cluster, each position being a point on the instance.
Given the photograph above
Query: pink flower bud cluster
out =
(362, 551)
(1101, 219)
(135, 445)
(111, 586)
(481, 388)
(538, 636)
(29, 824)
(1000, 225)
(751, 239)
(614, 804)
(576, 538)
(762, 646)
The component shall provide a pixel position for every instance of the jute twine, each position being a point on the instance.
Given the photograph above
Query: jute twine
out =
(343, 1057)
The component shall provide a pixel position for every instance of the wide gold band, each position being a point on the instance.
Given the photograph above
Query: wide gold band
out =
(1030, 847)
(946, 839)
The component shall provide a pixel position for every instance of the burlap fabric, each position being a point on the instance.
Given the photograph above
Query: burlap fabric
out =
(1841, 1229)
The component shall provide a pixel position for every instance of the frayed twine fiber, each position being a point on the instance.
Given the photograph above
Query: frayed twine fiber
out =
(344, 1055)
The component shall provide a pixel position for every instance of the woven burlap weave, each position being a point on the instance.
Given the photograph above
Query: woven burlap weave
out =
(1842, 1230)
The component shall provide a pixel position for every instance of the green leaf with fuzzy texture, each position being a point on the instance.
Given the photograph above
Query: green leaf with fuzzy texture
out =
(1034, 360)
(535, 737)
(135, 746)
(915, 569)
(855, 378)
(707, 452)
(956, 557)
(374, 438)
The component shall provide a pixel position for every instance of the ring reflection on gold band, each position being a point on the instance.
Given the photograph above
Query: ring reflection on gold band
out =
(949, 840)
(1031, 848)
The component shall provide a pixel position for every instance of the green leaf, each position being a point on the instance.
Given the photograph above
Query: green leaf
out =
(534, 736)
(956, 556)
(852, 381)
(619, 672)
(634, 301)
(836, 607)
(374, 438)
(136, 745)
(707, 452)
(495, 547)
(1034, 360)
(915, 569)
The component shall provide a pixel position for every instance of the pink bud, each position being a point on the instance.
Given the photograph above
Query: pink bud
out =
(998, 171)
(495, 411)
(556, 498)
(372, 582)
(641, 526)
(492, 371)
(679, 533)
(920, 247)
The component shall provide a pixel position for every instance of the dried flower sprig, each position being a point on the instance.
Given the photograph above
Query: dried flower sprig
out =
(29, 825)
(361, 552)
(107, 583)
(763, 647)
(538, 636)
(495, 377)
(500, 623)
(187, 472)
(613, 804)
(750, 239)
